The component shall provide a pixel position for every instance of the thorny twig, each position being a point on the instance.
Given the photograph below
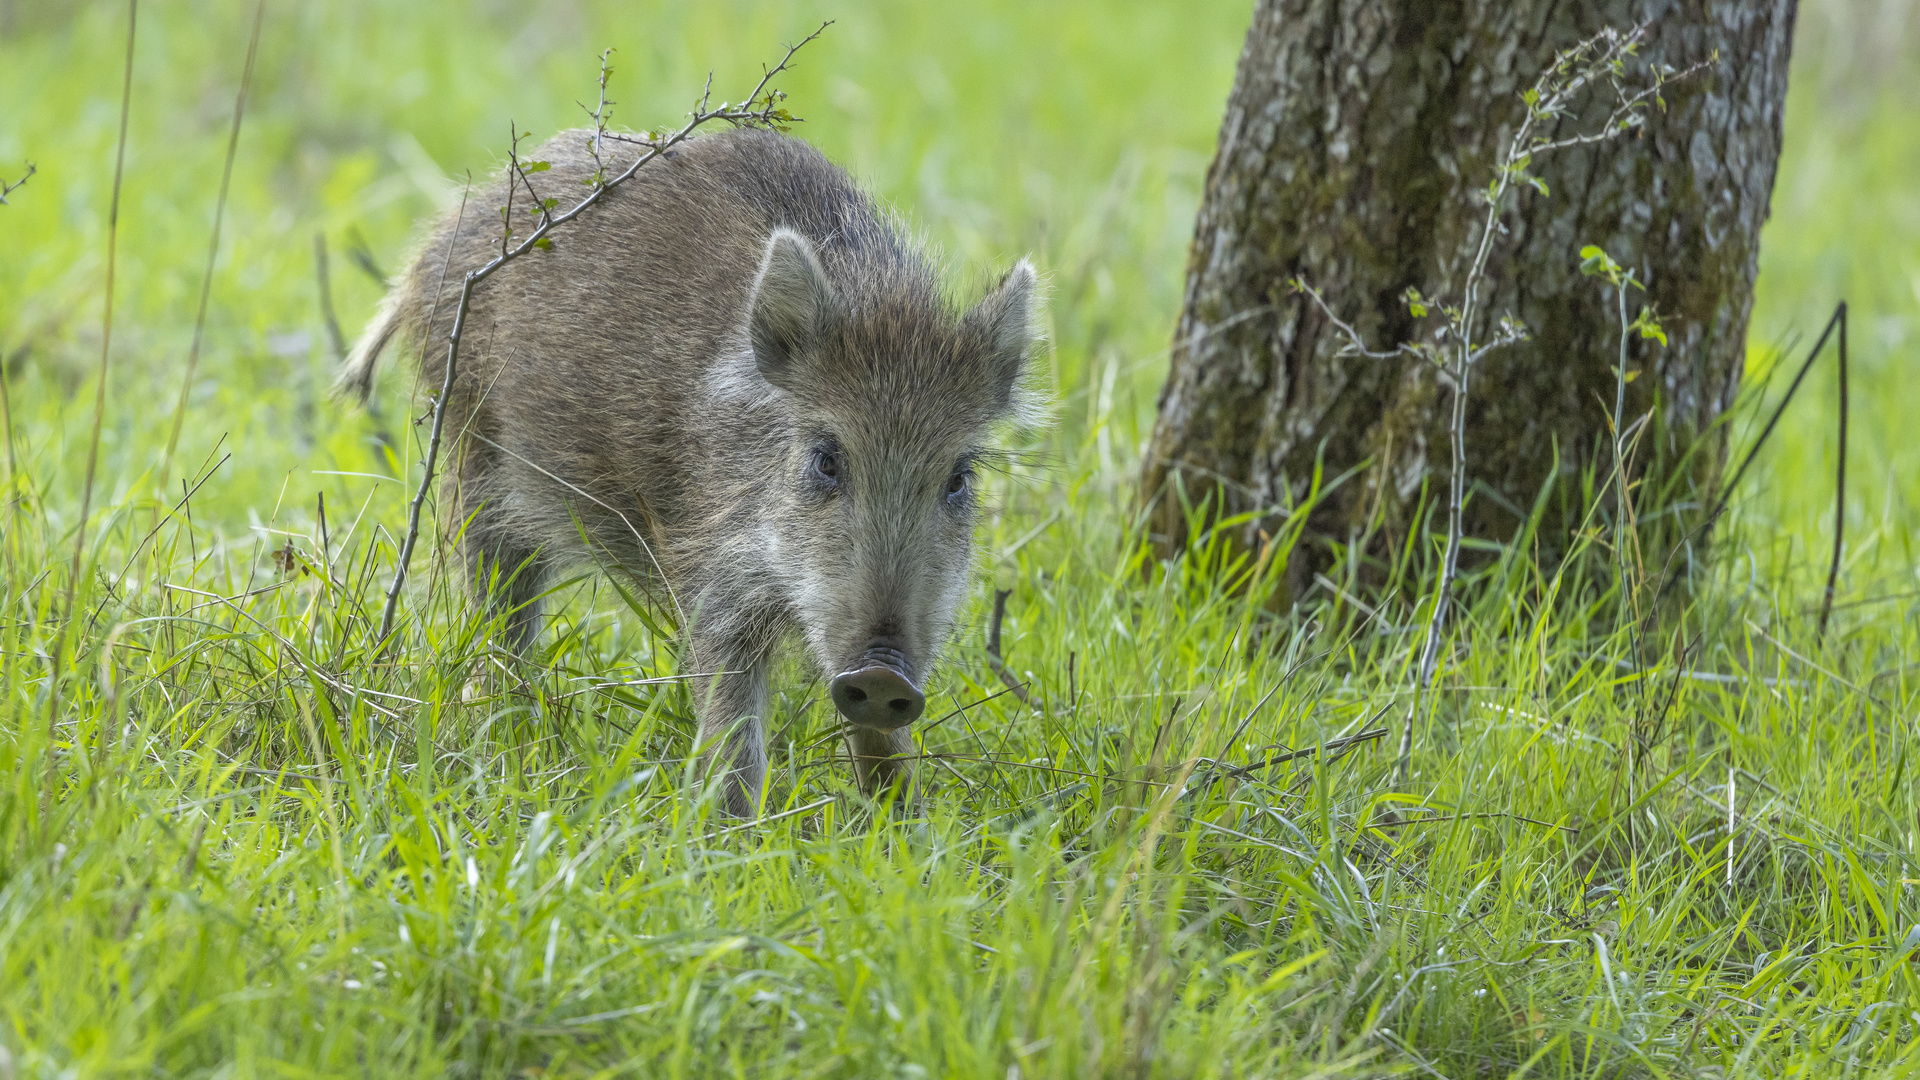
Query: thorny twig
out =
(603, 111)
(1353, 344)
(506, 212)
(543, 207)
(1453, 349)
(759, 108)
(7, 189)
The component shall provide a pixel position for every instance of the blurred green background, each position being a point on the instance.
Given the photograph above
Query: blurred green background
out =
(1078, 133)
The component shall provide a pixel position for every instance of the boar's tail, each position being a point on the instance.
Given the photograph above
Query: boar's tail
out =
(356, 375)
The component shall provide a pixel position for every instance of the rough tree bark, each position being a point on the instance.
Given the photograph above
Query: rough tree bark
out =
(1357, 143)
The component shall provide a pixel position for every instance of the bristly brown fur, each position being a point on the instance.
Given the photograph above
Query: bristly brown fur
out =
(654, 391)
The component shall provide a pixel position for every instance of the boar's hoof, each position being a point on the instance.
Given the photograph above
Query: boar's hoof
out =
(877, 697)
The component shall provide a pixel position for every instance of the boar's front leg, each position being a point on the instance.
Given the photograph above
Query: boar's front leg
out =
(733, 707)
(508, 577)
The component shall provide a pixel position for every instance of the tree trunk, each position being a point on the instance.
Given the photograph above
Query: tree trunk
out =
(1358, 144)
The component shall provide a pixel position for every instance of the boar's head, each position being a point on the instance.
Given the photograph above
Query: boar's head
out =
(891, 398)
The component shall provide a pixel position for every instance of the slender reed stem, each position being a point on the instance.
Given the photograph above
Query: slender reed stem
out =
(6, 421)
(1839, 484)
(106, 319)
(99, 412)
(1619, 436)
(213, 245)
(322, 270)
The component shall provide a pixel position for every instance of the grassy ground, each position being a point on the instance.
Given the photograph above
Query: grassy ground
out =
(231, 840)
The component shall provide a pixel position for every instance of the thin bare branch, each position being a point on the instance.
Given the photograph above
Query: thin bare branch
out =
(1355, 344)
(1573, 71)
(7, 189)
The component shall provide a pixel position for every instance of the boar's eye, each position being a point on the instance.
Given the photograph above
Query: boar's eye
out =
(828, 465)
(959, 484)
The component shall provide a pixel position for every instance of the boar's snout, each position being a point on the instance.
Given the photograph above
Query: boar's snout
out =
(874, 693)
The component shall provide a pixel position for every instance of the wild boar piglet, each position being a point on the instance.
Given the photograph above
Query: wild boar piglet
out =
(739, 381)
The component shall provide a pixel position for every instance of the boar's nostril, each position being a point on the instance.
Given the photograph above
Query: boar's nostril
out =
(876, 696)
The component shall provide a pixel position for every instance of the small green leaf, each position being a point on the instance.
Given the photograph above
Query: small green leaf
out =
(1416, 304)
(543, 243)
(539, 166)
(1531, 97)
(1538, 185)
(1648, 323)
(1595, 262)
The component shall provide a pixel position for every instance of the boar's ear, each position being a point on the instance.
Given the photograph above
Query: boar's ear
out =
(790, 305)
(1007, 322)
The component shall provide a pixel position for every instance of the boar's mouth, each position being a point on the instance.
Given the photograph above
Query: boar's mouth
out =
(875, 692)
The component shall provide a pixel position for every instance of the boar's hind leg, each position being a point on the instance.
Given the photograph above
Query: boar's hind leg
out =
(881, 759)
(733, 708)
(508, 578)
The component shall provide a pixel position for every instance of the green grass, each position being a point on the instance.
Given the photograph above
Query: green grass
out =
(232, 840)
